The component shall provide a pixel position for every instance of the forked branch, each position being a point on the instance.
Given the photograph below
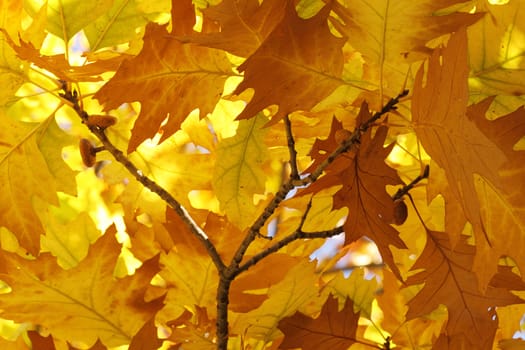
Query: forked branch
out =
(227, 273)
(235, 267)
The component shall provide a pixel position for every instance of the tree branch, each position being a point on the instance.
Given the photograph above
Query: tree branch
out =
(294, 181)
(404, 190)
(294, 173)
(298, 234)
(99, 132)
(353, 139)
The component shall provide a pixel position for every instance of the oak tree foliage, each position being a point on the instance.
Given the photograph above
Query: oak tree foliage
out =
(262, 174)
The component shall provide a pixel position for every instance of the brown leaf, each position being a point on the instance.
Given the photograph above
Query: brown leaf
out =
(169, 79)
(297, 66)
(448, 279)
(146, 338)
(364, 176)
(332, 329)
(40, 342)
(182, 16)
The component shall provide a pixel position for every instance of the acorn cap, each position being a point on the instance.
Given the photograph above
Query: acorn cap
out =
(102, 121)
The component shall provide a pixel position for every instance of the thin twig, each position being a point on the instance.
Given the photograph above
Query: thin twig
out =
(355, 138)
(298, 234)
(145, 180)
(404, 190)
(294, 172)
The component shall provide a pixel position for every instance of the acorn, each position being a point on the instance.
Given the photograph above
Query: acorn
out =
(400, 212)
(102, 121)
(88, 152)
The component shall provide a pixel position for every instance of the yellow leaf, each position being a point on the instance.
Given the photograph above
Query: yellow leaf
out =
(190, 276)
(117, 25)
(360, 290)
(284, 299)
(69, 242)
(67, 17)
(497, 50)
(12, 72)
(238, 171)
(82, 304)
(25, 174)
(378, 29)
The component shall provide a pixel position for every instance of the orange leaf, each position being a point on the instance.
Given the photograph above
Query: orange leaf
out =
(58, 64)
(298, 65)
(244, 25)
(332, 329)
(83, 303)
(454, 141)
(260, 276)
(448, 280)
(193, 333)
(169, 79)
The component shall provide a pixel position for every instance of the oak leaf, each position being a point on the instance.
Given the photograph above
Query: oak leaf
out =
(497, 69)
(66, 18)
(284, 299)
(169, 79)
(364, 176)
(246, 290)
(189, 273)
(238, 173)
(297, 66)
(244, 25)
(193, 332)
(377, 29)
(31, 167)
(357, 288)
(452, 139)
(502, 208)
(333, 328)
(83, 303)
(12, 72)
(448, 279)
(40, 342)
(120, 22)
(182, 17)
(420, 331)
(146, 338)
